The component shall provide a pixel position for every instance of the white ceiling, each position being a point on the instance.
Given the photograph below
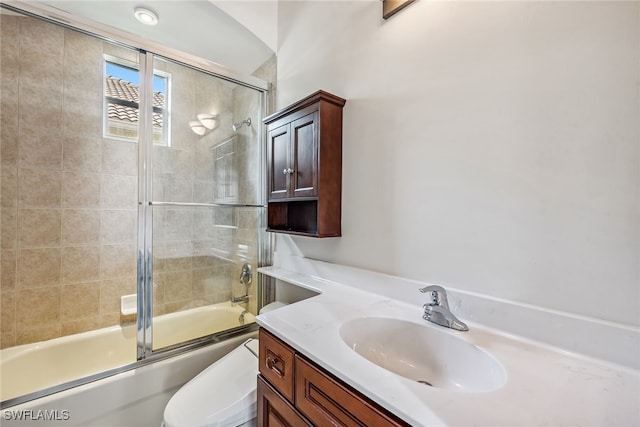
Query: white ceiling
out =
(197, 27)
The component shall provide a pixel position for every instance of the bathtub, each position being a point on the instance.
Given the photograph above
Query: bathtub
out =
(31, 367)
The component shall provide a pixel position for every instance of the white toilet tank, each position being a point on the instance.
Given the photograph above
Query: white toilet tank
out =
(223, 395)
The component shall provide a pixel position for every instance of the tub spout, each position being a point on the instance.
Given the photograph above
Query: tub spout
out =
(236, 300)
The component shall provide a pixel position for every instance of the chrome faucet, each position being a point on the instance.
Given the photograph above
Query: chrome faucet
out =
(437, 310)
(246, 276)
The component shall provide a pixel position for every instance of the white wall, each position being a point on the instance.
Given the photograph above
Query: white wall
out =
(488, 146)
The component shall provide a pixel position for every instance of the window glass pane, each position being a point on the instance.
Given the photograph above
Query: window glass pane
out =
(122, 95)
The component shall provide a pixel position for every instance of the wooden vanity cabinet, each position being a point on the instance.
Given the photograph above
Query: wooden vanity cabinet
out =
(319, 399)
(304, 167)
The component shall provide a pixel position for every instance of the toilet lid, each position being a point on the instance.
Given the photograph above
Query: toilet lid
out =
(222, 395)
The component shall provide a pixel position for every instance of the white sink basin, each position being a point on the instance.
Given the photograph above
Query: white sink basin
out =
(423, 353)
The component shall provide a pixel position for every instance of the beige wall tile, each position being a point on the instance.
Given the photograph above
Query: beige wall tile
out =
(77, 326)
(8, 136)
(119, 192)
(178, 256)
(82, 154)
(177, 285)
(82, 116)
(39, 228)
(80, 190)
(41, 37)
(39, 188)
(37, 307)
(178, 224)
(118, 261)
(80, 227)
(31, 76)
(203, 221)
(40, 151)
(119, 226)
(80, 264)
(8, 318)
(38, 268)
(178, 190)
(112, 320)
(83, 70)
(202, 282)
(9, 228)
(8, 261)
(119, 157)
(10, 27)
(204, 191)
(112, 290)
(80, 301)
(26, 333)
(9, 187)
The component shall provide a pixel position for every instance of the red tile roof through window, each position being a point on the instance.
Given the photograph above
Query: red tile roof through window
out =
(127, 91)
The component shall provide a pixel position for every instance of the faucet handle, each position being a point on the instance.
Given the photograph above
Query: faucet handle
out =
(438, 295)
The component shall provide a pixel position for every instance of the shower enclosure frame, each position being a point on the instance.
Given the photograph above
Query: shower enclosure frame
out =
(148, 51)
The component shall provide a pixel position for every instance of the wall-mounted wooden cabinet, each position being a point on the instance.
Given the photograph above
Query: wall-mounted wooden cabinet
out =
(304, 167)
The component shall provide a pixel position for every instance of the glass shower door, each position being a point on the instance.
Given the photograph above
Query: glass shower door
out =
(205, 207)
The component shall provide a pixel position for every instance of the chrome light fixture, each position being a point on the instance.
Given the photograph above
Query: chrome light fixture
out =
(146, 16)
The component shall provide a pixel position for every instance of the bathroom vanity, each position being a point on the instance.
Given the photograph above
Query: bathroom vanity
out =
(339, 355)
(294, 391)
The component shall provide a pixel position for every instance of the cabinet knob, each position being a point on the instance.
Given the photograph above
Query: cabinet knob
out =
(287, 171)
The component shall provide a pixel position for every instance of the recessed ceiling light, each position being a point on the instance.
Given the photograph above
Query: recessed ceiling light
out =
(146, 16)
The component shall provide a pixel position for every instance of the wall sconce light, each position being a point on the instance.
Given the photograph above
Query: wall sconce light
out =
(146, 16)
(207, 120)
(197, 127)
(204, 124)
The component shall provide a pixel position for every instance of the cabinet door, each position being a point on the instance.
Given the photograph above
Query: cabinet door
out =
(305, 156)
(275, 363)
(326, 402)
(274, 411)
(278, 162)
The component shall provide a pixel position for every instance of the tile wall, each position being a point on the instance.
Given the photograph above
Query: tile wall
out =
(69, 196)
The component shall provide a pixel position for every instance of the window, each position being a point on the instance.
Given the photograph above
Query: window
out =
(122, 102)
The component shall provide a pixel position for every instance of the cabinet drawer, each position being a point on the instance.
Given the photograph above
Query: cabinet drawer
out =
(326, 402)
(274, 411)
(276, 363)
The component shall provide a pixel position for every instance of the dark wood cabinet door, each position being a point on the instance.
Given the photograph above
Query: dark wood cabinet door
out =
(275, 363)
(326, 402)
(304, 167)
(304, 156)
(274, 411)
(279, 162)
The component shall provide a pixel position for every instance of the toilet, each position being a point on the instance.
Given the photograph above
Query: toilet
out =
(223, 395)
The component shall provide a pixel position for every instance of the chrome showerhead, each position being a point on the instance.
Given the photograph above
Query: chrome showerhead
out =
(238, 125)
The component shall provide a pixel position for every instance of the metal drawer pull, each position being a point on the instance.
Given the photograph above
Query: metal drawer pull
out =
(271, 364)
(288, 171)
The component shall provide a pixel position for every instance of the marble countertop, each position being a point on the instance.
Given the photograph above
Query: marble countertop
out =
(545, 385)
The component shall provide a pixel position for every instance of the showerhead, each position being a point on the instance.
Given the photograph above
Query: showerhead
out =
(238, 125)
